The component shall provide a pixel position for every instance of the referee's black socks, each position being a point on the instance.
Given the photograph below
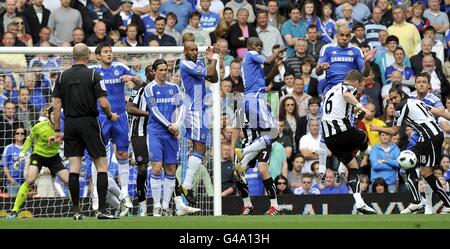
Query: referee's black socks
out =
(438, 189)
(74, 188)
(102, 188)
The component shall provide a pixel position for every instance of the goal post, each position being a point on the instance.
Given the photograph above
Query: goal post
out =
(129, 56)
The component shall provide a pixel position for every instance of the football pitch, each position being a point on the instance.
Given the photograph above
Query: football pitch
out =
(239, 222)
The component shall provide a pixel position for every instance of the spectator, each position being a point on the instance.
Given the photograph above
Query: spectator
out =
(285, 139)
(438, 19)
(396, 79)
(21, 35)
(225, 53)
(14, 29)
(407, 72)
(270, 35)
(289, 114)
(379, 186)
(310, 145)
(301, 98)
(329, 185)
(416, 60)
(160, 36)
(373, 27)
(364, 183)
(328, 19)
(26, 112)
(309, 16)
(96, 10)
(438, 171)
(77, 36)
(237, 5)
(181, 9)
(294, 61)
(388, 114)
(275, 19)
(8, 124)
(306, 187)
(360, 35)
(288, 87)
(44, 37)
(372, 90)
(417, 17)
(235, 77)
(37, 99)
(171, 23)
(8, 16)
(311, 83)
(382, 37)
(14, 62)
(201, 36)
(149, 18)
(383, 159)
(282, 185)
(99, 35)
(386, 11)
(407, 33)
(132, 39)
(9, 87)
(62, 21)
(437, 46)
(360, 11)
(278, 163)
(228, 185)
(239, 33)
(217, 6)
(125, 17)
(209, 19)
(445, 163)
(439, 84)
(294, 176)
(222, 30)
(386, 59)
(14, 176)
(293, 29)
(313, 112)
(314, 44)
(347, 15)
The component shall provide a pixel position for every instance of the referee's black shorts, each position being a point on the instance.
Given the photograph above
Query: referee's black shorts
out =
(429, 152)
(54, 163)
(140, 149)
(83, 132)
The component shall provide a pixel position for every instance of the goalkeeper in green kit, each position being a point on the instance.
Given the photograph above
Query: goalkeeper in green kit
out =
(45, 153)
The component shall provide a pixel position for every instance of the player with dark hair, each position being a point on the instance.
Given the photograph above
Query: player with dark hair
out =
(257, 123)
(341, 137)
(421, 117)
(114, 76)
(193, 75)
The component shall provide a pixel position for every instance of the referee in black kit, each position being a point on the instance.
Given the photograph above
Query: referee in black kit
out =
(77, 90)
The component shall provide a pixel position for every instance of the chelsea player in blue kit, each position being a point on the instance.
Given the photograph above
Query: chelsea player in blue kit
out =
(337, 59)
(163, 99)
(193, 75)
(114, 76)
(258, 124)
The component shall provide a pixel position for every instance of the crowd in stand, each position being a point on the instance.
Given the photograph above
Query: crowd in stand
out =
(411, 36)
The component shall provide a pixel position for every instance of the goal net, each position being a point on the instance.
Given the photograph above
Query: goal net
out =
(26, 81)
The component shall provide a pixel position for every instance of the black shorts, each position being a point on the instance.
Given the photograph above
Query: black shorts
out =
(263, 157)
(345, 145)
(429, 152)
(83, 133)
(140, 149)
(54, 163)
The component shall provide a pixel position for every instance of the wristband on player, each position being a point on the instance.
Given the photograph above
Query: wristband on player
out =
(359, 105)
(58, 130)
(109, 116)
(216, 57)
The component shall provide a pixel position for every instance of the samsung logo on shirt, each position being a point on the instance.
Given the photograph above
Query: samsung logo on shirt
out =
(342, 59)
(165, 100)
(111, 81)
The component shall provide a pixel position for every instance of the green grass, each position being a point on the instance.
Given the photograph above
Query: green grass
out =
(243, 222)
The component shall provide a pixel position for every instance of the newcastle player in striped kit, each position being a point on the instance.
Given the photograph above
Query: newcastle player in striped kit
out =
(341, 137)
(419, 116)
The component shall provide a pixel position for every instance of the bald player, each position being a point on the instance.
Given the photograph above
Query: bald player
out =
(193, 75)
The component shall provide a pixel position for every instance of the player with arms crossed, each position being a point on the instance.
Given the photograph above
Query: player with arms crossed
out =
(45, 153)
(257, 123)
(114, 76)
(337, 59)
(419, 116)
(193, 75)
(341, 137)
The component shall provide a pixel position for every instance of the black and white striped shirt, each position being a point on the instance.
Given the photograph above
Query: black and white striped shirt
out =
(139, 123)
(417, 115)
(337, 113)
(240, 120)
